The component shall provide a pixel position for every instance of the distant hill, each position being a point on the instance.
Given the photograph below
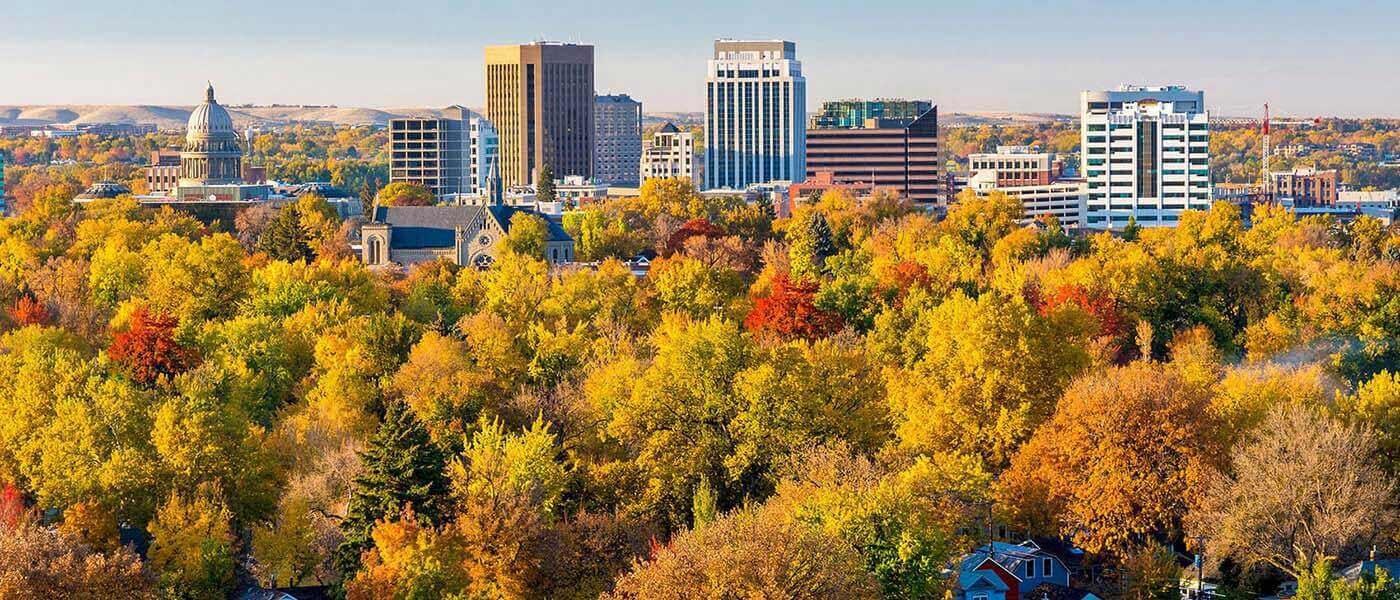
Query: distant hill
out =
(174, 117)
(975, 119)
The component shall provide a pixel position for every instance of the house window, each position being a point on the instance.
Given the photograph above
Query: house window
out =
(979, 597)
(1047, 568)
(1030, 569)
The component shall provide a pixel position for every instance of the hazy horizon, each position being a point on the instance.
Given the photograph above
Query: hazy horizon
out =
(1017, 56)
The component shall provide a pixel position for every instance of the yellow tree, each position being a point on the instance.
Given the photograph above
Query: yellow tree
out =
(986, 373)
(1123, 458)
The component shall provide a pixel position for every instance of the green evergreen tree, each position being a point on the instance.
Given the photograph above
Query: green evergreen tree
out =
(1132, 230)
(367, 193)
(285, 238)
(402, 468)
(703, 504)
(809, 245)
(544, 184)
(821, 232)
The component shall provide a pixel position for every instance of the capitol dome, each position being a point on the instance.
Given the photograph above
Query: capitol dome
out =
(208, 118)
(212, 154)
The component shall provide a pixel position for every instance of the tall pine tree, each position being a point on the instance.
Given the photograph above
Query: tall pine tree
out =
(285, 238)
(544, 184)
(402, 468)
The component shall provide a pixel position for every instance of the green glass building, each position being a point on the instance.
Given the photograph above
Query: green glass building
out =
(851, 114)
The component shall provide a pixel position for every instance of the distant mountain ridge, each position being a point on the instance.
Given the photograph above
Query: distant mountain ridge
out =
(175, 116)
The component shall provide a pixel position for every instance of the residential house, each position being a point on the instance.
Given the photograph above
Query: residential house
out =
(1024, 571)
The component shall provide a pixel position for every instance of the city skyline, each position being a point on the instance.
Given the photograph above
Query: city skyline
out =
(1019, 56)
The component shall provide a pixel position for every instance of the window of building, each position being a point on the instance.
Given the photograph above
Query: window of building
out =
(1030, 569)
(1048, 567)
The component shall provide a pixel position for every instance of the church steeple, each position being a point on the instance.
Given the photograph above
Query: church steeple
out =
(494, 194)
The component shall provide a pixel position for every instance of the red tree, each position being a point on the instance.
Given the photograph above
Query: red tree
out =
(1103, 307)
(12, 509)
(789, 312)
(148, 348)
(28, 311)
(690, 229)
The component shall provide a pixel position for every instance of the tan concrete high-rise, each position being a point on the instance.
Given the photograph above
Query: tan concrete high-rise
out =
(540, 97)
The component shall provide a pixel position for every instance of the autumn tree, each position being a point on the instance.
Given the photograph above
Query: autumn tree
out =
(695, 227)
(789, 312)
(752, 553)
(980, 375)
(193, 547)
(28, 311)
(402, 193)
(529, 235)
(38, 562)
(1120, 462)
(148, 348)
(1307, 489)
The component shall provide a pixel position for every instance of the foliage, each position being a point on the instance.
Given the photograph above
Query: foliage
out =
(285, 238)
(403, 470)
(1123, 458)
(402, 193)
(192, 547)
(750, 553)
(148, 348)
(39, 562)
(544, 184)
(789, 312)
(1265, 509)
(529, 235)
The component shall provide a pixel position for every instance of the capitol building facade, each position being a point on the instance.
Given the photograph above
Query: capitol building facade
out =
(211, 160)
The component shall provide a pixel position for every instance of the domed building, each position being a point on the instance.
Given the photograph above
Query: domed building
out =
(211, 154)
(211, 161)
(102, 190)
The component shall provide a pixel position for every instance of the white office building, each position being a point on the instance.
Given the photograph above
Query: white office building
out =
(485, 150)
(1146, 155)
(670, 154)
(755, 114)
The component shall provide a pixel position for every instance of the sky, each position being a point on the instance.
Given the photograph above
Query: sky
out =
(1306, 58)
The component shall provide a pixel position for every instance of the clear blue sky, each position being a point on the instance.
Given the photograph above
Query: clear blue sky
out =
(1317, 57)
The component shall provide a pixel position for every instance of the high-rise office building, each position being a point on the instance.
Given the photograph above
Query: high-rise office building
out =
(485, 150)
(853, 113)
(1146, 155)
(617, 140)
(540, 98)
(899, 154)
(671, 154)
(433, 152)
(755, 114)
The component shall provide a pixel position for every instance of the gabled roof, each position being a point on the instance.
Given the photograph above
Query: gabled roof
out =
(1011, 557)
(669, 127)
(1368, 567)
(968, 580)
(417, 227)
